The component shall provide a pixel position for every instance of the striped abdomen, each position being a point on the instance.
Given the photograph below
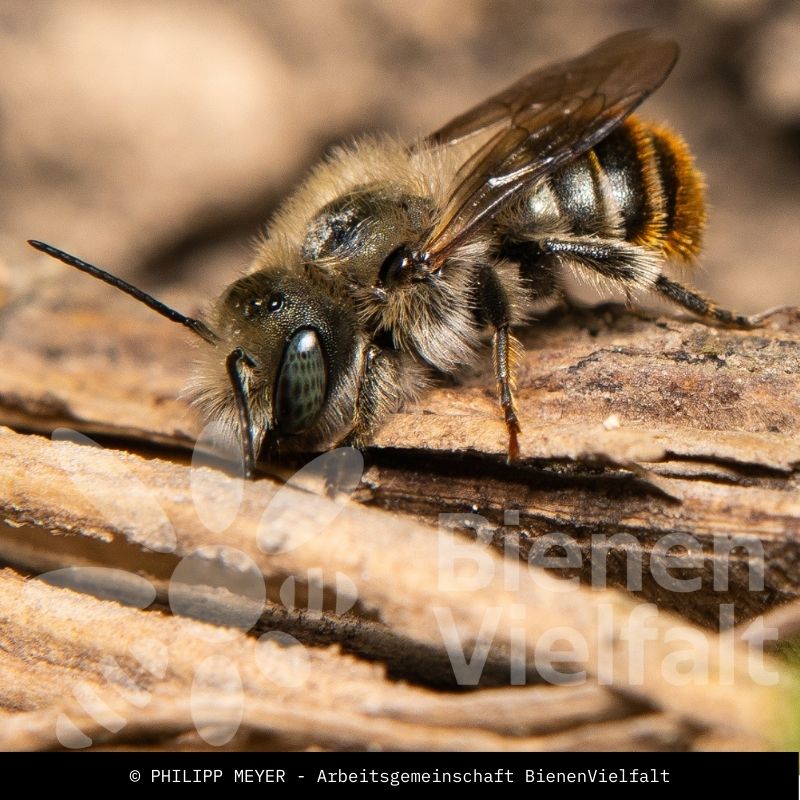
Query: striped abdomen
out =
(639, 184)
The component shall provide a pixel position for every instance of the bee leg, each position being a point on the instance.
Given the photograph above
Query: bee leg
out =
(495, 309)
(378, 374)
(622, 264)
(634, 267)
(625, 265)
(504, 354)
(540, 270)
(698, 304)
(379, 394)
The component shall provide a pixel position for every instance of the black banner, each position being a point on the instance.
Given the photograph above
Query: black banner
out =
(644, 775)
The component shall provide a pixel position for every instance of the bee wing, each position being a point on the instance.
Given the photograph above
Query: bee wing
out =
(544, 120)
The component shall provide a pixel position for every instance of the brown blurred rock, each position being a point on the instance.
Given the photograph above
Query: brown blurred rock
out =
(775, 68)
(156, 138)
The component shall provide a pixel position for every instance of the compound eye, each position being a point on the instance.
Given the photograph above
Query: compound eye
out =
(301, 384)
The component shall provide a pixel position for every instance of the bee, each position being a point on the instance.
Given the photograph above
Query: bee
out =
(393, 264)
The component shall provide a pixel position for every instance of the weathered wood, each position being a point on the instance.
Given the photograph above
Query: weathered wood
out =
(631, 425)
(102, 650)
(396, 572)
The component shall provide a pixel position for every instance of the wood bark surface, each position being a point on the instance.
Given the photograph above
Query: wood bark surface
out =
(635, 427)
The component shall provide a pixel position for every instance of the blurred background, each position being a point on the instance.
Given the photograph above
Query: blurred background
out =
(155, 139)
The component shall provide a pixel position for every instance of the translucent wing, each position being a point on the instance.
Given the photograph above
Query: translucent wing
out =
(543, 121)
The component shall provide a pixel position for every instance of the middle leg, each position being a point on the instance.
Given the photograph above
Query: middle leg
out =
(494, 307)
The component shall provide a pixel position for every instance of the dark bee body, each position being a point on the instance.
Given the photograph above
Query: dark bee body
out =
(394, 263)
(633, 200)
(642, 176)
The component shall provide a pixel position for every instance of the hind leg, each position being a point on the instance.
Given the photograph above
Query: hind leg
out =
(629, 267)
(697, 304)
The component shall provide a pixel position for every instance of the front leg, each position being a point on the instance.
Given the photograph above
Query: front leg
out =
(494, 306)
(372, 403)
(380, 392)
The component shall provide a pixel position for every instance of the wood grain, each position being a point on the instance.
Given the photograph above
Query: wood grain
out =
(633, 426)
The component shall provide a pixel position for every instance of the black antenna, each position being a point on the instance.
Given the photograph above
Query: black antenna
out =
(232, 363)
(194, 325)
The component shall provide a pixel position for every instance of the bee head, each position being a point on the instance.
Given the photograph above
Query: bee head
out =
(286, 345)
(287, 348)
